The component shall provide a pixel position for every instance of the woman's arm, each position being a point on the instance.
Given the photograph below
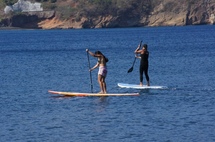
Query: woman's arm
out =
(137, 50)
(92, 54)
(136, 56)
(94, 66)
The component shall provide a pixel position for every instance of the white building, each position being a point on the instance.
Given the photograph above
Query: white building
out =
(23, 6)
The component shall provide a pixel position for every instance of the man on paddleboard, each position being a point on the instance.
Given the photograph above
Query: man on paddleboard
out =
(143, 55)
(102, 73)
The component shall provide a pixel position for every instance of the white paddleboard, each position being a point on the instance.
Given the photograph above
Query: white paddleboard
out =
(135, 86)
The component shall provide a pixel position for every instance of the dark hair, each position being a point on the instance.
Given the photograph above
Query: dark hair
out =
(106, 60)
(145, 46)
(99, 52)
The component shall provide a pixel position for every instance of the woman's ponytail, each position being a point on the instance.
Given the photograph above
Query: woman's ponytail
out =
(106, 59)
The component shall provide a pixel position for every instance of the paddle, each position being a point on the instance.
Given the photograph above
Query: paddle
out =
(90, 73)
(131, 69)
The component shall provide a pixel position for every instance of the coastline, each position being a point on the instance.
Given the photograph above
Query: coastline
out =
(19, 28)
(11, 28)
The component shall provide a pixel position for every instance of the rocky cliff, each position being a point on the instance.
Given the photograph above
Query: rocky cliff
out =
(137, 14)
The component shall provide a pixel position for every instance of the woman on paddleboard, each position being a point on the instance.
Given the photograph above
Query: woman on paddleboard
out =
(102, 73)
(143, 55)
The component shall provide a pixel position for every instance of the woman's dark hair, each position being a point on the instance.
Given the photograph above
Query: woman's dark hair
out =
(106, 59)
(99, 52)
(145, 46)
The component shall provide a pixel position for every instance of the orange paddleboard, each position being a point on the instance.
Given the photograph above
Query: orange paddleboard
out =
(91, 94)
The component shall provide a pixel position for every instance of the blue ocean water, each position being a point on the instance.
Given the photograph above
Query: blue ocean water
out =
(35, 61)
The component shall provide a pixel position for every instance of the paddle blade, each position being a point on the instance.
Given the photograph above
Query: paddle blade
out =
(130, 70)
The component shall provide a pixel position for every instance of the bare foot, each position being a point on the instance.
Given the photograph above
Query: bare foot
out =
(100, 92)
(141, 84)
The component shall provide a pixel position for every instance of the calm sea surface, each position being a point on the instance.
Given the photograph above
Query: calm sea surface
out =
(35, 61)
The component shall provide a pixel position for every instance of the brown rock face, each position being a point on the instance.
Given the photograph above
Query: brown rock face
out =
(27, 19)
(166, 13)
(170, 13)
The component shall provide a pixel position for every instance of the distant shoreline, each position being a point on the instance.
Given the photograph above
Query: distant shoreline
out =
(18, 28)
(10, 28)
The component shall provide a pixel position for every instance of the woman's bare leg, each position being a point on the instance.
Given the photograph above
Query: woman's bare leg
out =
(100, 83)
(104, 85)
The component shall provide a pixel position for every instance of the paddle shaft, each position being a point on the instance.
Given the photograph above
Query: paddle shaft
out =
(140, 47)
(134, 61)
(131, 69)
(91, 82)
